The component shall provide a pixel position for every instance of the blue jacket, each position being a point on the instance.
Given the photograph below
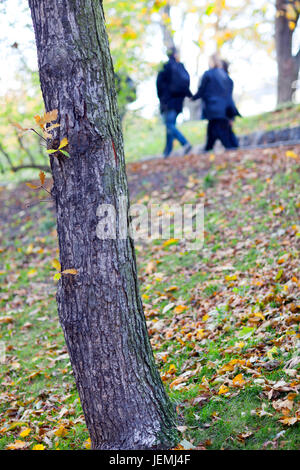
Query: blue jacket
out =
(168, 100)
(215, 90)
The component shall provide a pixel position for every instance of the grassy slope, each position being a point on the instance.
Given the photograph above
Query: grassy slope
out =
(234, 312)
(146, 137)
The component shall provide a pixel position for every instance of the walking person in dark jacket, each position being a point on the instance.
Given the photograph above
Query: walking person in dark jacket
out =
(231, 110)
(215, 90)
(173, 85)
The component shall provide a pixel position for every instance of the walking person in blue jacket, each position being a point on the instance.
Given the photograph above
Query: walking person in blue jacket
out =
(231, 110)
(215, 90)
(173, 85)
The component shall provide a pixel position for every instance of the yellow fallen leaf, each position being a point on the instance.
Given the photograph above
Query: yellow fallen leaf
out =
(272, 351)
(171, 289)
(200, 333)
(259, 315)
(229, 367)
(180, 308)
(204, 381)
(87, 443)
(172, 369)
(238, 380)
(38, 447)
(25, 432)
(231, 278)
(31, 273)
(170, 242)
(291, 154)
(180, 340)
(223, 389)
(61, 431)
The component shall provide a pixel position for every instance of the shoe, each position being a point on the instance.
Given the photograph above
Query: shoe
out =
(187, 148)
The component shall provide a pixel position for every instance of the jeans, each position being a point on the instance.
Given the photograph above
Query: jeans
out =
(169, 118)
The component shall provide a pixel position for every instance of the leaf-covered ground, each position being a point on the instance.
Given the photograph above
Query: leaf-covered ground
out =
(223, 321)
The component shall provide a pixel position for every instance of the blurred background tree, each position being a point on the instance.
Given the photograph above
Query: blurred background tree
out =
(287, 50)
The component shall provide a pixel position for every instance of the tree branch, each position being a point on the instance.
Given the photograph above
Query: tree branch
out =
(26, 150)
(34, 167)
(6, 156)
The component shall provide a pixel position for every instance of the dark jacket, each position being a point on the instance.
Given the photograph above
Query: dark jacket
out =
(168, 100)
(231, 110)
(215, 90)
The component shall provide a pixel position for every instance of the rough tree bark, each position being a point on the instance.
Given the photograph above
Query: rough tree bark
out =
(100, 310)
(287, 63)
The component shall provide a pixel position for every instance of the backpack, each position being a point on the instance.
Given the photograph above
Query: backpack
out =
(180, 80)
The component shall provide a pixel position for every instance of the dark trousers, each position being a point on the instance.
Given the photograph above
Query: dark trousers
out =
(222, 130)
(172, 132)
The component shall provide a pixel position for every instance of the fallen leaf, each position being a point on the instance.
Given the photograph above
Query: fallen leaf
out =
(25, 432)
(38, 447)
(223, 389)
(17, 445)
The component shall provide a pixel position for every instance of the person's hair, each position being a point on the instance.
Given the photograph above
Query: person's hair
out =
(215, 62)
(172, 51)
(225, 65)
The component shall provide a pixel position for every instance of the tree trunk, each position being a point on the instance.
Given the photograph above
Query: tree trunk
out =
(100, 310)
(166, 27)
(287, 64)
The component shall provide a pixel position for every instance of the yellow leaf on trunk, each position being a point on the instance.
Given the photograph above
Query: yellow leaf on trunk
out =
(69, 271)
